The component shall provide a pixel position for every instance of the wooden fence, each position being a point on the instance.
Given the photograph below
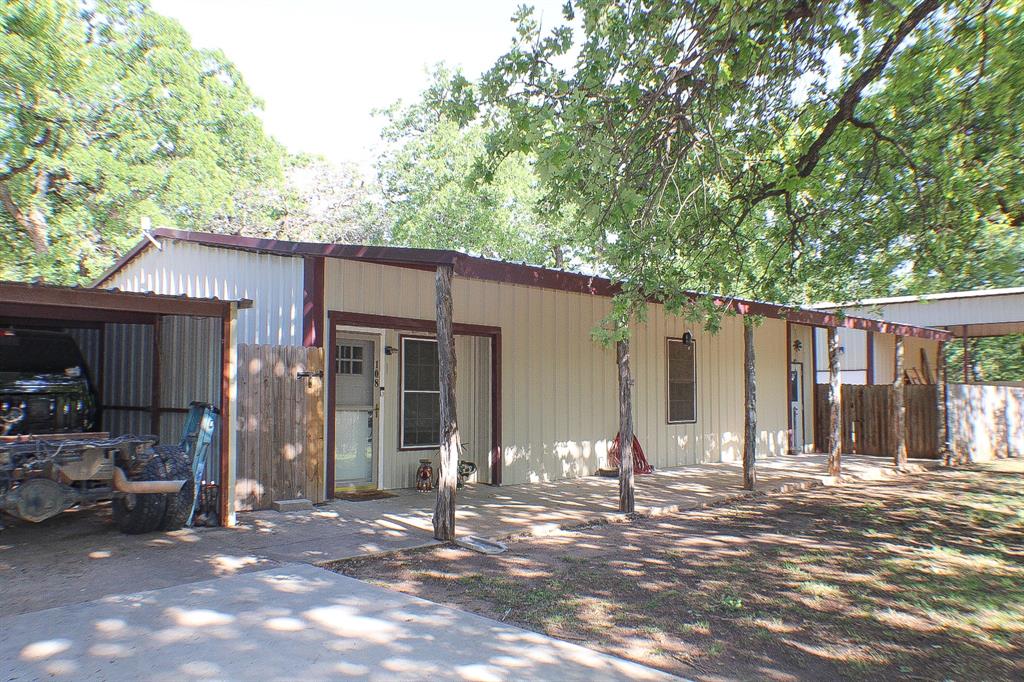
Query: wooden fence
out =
(281, 426)
(985, 421)
(867, 420)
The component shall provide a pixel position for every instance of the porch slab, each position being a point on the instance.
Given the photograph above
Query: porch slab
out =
(540, 509)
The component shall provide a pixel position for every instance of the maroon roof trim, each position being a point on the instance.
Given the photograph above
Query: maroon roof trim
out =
(476, 267)
(43, 297)
(313, 301)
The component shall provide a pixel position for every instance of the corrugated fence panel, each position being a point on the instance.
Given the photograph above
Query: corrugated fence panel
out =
(273, 283)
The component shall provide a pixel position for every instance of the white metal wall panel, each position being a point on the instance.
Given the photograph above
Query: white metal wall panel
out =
(951, 311)
(853, 361)
(559, 386)
(273, 283)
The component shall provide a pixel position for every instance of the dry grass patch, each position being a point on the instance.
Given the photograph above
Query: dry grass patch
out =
(916, 578)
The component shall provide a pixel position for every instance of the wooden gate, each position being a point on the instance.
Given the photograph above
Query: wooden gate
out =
(281, 425)
(867, 420)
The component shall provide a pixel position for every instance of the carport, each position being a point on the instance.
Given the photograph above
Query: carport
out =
(148, 356)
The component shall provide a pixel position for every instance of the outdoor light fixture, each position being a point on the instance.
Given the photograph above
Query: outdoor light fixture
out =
(390, 350)
(687, 339)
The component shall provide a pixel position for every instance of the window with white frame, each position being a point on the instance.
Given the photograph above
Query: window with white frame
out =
(421, 394)
(682, 381)
(348, 359)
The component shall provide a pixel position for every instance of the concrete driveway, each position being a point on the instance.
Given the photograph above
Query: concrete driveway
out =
(294, 622)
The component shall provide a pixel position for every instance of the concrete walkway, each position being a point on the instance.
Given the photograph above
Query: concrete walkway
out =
(295, 622)
(78, 556)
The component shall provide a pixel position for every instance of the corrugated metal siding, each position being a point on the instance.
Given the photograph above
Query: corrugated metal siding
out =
(127, 377)
(190, 369)
(953, 311)
(88, 341)
(273, 283)
(854, 360)
(559, 387)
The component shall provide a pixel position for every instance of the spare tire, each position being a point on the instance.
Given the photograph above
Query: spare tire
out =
(136, 514)
(176, 466)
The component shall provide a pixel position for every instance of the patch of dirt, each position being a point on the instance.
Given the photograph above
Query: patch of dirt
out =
(916, 578)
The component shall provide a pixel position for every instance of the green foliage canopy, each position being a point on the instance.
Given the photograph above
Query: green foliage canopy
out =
(431, 197)
(108, 114)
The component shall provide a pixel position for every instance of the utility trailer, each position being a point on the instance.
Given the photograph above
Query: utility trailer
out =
(151, 486)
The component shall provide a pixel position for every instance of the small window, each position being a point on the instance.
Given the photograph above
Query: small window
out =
(349, 359)
(682, 381)
(421, 394)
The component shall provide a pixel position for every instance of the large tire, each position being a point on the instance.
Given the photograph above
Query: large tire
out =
(176, 466)
(136, 514)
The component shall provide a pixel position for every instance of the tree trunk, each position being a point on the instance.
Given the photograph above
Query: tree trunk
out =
(448, 467)
(835, 405)
(750, 403)
(33, 222)
(627, 502)
(899, 436)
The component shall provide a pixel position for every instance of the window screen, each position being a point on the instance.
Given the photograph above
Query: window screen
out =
(421, 394)
(682, 381)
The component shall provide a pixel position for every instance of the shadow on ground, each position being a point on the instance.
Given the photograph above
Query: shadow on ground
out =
(921, 577)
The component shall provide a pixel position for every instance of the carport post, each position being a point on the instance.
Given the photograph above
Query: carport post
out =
(448, 466)
(899, 408)
(750, 406)
(228, 407)
(835, 404)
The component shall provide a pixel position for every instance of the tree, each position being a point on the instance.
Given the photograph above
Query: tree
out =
(781, 150)
(108, 114)
(318, 201)
(432, 197)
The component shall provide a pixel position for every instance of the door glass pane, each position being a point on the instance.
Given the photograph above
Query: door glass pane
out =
(354, 401)
(353, 445)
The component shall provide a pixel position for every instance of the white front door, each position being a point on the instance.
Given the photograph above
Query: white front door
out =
(796, 409)
(356, 381)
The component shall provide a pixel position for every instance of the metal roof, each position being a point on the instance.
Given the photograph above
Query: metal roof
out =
(477, 267)
(27, 300)
(940, 296)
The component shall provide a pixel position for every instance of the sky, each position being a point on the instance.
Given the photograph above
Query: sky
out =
(323, 66)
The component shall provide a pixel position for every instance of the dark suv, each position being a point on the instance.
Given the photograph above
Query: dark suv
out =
(44, 385)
